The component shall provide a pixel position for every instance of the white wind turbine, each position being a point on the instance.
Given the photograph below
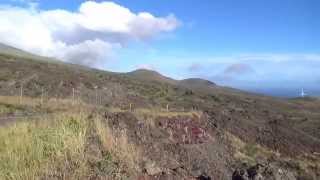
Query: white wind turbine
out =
(303, 94)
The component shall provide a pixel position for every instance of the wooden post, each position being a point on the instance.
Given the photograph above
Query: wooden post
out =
(21, 93)
(130, 107)
(96, 97)
(72, 96)
(79, 96)
(42, 91)
(167, 107)
(96, 91)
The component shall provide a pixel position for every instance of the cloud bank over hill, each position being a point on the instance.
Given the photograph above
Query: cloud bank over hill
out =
(88, 36)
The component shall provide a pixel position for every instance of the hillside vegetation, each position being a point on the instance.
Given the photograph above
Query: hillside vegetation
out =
(65, 121)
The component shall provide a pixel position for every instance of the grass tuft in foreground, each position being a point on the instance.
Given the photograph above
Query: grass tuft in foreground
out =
(46, 148)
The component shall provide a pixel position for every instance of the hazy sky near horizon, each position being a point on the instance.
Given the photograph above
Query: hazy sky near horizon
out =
(267, 46)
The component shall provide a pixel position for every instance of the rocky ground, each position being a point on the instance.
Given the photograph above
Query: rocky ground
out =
(192, 147)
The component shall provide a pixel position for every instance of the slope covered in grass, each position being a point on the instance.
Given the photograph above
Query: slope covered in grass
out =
(46, 147)
(287, 127)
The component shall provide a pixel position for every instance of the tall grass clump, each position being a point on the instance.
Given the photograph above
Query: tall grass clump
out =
(51, 147)
(118, 145)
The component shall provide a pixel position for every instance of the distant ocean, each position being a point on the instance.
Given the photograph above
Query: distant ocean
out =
(286, 93)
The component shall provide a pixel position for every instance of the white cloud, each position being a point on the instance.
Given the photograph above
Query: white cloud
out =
(86, 36)
(89, 52)
(195, 67)
(146, 66)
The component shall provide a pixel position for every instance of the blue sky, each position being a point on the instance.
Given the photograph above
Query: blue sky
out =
(267, 46)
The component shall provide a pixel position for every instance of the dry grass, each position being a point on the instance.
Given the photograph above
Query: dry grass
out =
(48, 105)
(54, 146)
(248, 152)
(48, 148)
(148, 116)
(152, 113)
(118, 145)
(117, 142)
(164, 113)
(16, 100)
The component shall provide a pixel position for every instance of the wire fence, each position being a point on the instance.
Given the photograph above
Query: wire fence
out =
(96, 96)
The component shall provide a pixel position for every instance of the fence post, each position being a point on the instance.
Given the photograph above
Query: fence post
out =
(72, 96)
(79, 96)
(96, 91)
(42, 91)
(21, 93)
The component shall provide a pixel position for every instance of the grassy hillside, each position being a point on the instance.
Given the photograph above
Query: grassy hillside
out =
(72, 122)
(68, 140)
